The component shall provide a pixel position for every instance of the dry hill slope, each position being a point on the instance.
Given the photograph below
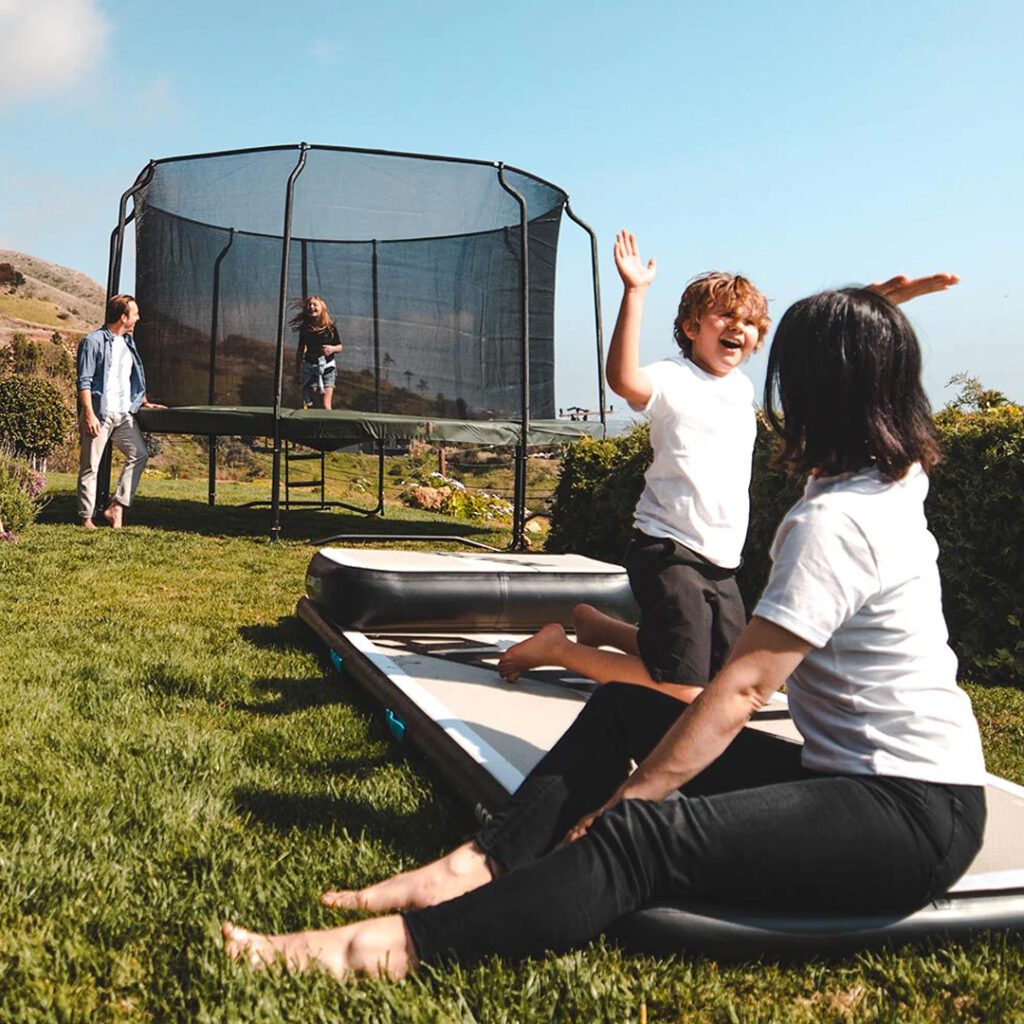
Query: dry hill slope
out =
(52, 298)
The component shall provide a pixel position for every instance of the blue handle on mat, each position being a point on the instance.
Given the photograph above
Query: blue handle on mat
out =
(395, 724)
(337, 661)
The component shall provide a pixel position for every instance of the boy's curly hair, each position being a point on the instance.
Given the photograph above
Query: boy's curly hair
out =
(719, 291)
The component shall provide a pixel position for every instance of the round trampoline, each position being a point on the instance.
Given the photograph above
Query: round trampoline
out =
(439, 273)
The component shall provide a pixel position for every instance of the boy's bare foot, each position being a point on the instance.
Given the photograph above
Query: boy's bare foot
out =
(114, 514)
(462, 870)
(88, 524)
(594, 628)
(380, 947)
(543, 648)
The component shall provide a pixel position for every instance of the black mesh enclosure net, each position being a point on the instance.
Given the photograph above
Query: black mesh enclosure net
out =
(417, 258)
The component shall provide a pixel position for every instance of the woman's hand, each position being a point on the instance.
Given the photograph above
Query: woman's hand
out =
(902, 288)
(628, 263)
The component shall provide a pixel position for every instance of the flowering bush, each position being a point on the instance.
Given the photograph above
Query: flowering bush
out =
(20, 490)
(450, 497)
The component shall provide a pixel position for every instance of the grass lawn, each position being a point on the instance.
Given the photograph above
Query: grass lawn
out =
(175, 749)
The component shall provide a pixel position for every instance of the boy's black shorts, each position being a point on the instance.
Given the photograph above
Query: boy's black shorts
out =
(691, 612)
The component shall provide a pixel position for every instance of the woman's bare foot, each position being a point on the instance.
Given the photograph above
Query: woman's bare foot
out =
(381, 946)
(88, 524)
(114, 514)
(545, 647)
(462, 870)
(594, 628)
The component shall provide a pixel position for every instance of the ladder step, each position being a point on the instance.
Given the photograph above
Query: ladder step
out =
(304, 483)
(305, 457)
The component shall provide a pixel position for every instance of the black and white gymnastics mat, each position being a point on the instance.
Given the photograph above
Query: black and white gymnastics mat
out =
(422, 634)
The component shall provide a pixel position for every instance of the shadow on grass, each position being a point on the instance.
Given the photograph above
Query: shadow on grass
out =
(407, 833)
(190, 516)
(289, 633)
(293, 695)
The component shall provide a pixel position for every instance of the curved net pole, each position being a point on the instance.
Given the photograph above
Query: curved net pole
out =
(598, 330)
(518, 541)
(282, 312)
(113, 285)
(211, 489)
(117, 238)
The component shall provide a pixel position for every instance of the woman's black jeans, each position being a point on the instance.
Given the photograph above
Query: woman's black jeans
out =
(753, 830)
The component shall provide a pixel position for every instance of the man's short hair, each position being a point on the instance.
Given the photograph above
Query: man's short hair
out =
(117, 306)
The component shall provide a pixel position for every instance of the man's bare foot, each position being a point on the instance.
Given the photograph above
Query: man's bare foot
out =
(545, 647)
(462, 870)
(381, 946)
(114, 514)
(88, 524)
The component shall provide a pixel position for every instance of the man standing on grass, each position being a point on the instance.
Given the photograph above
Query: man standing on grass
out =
(111, 389)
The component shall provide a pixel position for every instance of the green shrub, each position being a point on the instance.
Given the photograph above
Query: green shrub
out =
(772, 493)
(34, 418)
(20, 487)
(599, 485)
(973, 509)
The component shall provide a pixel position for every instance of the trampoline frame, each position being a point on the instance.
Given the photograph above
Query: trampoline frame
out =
(519, 513)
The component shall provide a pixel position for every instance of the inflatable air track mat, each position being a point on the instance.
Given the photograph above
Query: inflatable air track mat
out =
(403, 626)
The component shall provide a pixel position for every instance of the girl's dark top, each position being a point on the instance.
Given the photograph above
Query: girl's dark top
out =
(311, 343)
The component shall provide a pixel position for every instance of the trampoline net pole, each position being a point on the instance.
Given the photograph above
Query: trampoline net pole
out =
(113, 286)
(282, 311)
(598, 329)
(519, 478)
(211, 495)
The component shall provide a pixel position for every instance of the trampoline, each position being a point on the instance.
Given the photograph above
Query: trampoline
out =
(402, 626)
(439, 273)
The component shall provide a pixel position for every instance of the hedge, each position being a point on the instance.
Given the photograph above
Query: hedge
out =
(34, 418)
(974, 509)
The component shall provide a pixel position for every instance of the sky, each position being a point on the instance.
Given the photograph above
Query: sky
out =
(805, 144)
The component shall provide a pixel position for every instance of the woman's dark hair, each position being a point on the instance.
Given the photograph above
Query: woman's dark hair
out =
(846, 368)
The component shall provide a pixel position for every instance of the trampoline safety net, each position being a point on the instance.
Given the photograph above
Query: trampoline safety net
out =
(417, 258)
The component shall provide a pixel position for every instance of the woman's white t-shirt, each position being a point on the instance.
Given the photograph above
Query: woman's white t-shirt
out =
(702, 433)
(855, 575)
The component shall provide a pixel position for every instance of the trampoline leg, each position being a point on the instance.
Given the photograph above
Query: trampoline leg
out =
(211, 490)
(103, 480)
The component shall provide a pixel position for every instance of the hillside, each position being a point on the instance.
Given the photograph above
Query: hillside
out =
(52, 298)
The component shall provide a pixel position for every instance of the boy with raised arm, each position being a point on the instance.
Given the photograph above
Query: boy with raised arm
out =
(691, 519)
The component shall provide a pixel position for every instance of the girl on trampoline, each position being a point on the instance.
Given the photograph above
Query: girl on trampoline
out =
(318, 344)
(882, 807)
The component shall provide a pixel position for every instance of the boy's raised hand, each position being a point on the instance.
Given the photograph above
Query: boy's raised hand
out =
(902, 288)
(628, 263)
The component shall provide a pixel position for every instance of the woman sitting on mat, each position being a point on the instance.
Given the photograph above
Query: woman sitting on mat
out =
(882, 808)
(314, 357)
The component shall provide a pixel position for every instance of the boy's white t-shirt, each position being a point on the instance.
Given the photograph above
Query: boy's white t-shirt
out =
(119, 384)
(702, 433)
(855, 575)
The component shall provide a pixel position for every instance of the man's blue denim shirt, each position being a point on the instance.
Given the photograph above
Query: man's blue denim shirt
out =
(94, 357)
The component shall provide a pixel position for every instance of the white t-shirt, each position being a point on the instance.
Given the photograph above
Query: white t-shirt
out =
(119, 382)
(702, 433)
(855, 575)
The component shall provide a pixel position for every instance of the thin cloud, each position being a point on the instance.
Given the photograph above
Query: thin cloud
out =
(157, 103)
(323, 51)
(47, 45)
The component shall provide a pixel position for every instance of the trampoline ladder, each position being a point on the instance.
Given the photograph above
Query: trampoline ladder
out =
(290, 456)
